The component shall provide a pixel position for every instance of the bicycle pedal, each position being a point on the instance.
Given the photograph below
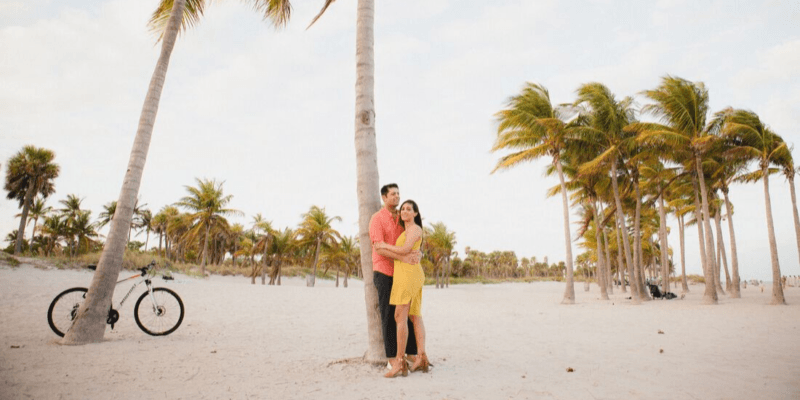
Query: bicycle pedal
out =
(112, 327)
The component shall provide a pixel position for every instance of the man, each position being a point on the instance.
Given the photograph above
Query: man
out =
(384, 226)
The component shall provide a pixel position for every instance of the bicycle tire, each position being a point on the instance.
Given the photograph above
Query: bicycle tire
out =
(160, 320)
(64, 308)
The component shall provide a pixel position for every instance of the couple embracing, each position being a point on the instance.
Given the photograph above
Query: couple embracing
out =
(396, 237)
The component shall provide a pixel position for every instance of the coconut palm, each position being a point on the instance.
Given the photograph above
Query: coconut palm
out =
(207, 206)
(531, 127)
(607, 119)
(29, 173)
(787, 166)
(756, 140)
(682, 107)
(439, 243)
(264, 231)
(316, 230)
(38, 210)
(281, 247)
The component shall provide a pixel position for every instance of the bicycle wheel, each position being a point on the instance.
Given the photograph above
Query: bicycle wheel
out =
(161, 318)
(64, 309)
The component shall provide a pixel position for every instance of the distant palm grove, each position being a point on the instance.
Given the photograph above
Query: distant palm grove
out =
(623, 175)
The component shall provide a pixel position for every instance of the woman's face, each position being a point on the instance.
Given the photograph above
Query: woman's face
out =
(407, 213)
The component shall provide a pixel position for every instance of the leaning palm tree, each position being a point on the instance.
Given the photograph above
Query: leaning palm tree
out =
(167, 20)
(531, 127)
(682, 107)
(605, 129)
(207, 204)
(316, 230)
(756, 140)
(29, 173)
(90, 323)
(440, 243)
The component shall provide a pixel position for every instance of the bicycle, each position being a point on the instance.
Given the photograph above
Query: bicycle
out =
(158, 311)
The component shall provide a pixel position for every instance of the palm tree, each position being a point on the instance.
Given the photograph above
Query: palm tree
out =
(264, 227)
(71, 212)
(145, 222)
(282, 245)
(683, 107)
(207, 204)
(756, 140)
(53, 229)
(105, 216)
(38, 210)
(787, 165)
(316, 230)
(440, 243)
(29, 173)
(84, 231)
(532, 127)
(607, 120)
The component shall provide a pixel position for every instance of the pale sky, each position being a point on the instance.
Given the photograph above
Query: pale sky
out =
(271, 112)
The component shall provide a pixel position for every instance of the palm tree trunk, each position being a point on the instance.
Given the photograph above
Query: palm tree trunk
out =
(316, 261)
(716, 266)
(735, 280)
(721, 249)
(777, 288)
(609, 276)
(790, 177)
(205, 251)
(621, 267)
(33, 232)
(710, 294)
(662, 232)
(367, 168)
(569, 291)
(635, 294)
(681, 231)
(601, 273)
(337, 275)
(90, 324)
(638, 260)
(26, 205)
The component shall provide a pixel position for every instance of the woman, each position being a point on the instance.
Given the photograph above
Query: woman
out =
(407, 289)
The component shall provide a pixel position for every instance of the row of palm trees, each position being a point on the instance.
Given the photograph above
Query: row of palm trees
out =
(623, 175)
(195, 229)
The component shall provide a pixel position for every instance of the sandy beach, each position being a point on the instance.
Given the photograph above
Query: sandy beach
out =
(510, 340)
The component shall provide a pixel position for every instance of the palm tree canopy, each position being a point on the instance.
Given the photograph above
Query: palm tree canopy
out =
(317, 224)
(532, 125)
(31, 166)
(275, 11)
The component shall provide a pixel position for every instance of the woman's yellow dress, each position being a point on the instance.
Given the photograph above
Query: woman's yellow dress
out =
(408, 281)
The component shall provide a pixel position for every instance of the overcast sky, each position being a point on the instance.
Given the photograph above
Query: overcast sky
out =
(271, 113)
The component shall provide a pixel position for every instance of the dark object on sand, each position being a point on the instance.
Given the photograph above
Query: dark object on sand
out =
(656, 293)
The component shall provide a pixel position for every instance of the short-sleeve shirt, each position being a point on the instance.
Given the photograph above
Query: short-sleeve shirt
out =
(384, 228)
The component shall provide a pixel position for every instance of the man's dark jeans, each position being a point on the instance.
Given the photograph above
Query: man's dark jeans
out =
(388, 325)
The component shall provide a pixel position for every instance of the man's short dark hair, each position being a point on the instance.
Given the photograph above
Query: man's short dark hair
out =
(385, 188)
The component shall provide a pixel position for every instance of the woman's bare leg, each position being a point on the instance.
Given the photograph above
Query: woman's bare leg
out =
(419, 332)
(401, 317)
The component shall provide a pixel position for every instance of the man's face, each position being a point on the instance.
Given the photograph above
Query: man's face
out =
(392, 199)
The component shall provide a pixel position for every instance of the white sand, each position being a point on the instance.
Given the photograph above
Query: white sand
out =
(510, 340)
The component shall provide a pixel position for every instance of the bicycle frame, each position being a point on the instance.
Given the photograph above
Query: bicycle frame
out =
(144, 280)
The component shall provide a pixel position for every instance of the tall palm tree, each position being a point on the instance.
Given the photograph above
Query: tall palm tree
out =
(787, 165)
(682, 106)
(282, 245)
(757, 141)
(367, 180)
(90, 323)
(207, 204)
(29, 173)
(608, 118)
(84, 231)
(316, 230)
(531, 127)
